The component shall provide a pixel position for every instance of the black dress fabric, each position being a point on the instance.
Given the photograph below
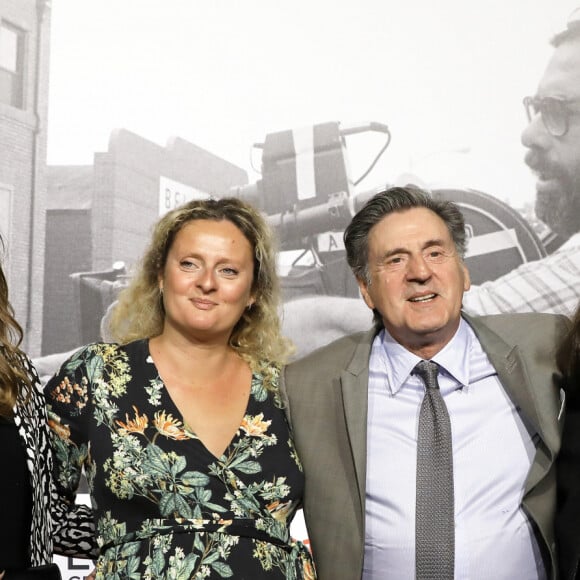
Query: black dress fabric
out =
(166, 507)
(15, 499)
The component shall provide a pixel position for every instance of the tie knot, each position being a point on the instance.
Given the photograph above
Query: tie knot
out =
(428, 371)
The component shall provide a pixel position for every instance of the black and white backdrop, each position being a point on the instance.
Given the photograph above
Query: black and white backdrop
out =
(447, 78)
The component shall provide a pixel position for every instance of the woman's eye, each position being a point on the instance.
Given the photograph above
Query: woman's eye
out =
(229, 271)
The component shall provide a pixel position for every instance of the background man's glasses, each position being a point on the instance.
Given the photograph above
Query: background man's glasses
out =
(555, 112)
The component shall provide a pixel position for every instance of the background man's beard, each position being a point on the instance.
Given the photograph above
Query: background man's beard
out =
(560, 209)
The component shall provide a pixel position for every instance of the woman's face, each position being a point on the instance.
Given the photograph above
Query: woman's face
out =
(207, 280)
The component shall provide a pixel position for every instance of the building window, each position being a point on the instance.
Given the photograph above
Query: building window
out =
(5, 221)
(11, 65)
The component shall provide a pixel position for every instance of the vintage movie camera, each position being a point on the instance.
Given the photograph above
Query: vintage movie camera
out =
(309, 196)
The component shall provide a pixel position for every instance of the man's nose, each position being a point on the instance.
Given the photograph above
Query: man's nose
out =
(418, 268)
(535, 134)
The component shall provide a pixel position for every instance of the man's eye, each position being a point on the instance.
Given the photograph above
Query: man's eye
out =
(435, 255)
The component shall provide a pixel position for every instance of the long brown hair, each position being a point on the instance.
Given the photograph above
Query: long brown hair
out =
(14, 379)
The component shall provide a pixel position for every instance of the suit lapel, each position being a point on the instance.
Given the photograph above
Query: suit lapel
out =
(528, 396)
(354, 384)
(507, 362)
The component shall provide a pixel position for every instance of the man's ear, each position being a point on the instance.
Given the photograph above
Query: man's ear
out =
(363, 286)
(466, 278)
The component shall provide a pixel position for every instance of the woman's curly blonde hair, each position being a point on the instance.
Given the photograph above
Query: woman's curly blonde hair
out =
(14, 377)
(257, 336)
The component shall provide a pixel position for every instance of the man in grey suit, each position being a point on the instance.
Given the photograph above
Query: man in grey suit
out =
(356, 407)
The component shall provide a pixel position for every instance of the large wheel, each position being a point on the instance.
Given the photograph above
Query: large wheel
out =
(500, 239)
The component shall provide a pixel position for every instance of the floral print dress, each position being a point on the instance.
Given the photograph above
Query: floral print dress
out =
(165, 507)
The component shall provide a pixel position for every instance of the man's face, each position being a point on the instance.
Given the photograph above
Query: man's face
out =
(417, 280)
(556, 160)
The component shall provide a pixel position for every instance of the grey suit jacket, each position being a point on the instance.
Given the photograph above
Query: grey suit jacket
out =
(327, 405)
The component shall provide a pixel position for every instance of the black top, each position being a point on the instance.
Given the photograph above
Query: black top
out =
(568, 474)
(15, 499)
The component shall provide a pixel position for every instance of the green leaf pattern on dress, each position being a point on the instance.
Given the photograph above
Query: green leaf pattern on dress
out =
(140, 468)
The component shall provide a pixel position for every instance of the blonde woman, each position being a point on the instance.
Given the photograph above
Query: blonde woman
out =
(179, 425)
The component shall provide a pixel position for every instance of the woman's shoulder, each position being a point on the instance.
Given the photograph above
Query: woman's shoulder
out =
(30, 401)
(265, 370)
(266, 381)
(29, 368)
(91, 357)
(109, 349)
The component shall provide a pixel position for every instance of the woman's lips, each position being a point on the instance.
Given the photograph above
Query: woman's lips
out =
(203, 304)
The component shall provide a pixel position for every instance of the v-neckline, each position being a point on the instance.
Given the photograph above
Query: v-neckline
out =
(177, 413)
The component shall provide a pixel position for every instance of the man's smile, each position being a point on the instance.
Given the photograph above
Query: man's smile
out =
(423, 298)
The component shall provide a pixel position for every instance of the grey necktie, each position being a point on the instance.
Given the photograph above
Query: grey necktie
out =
(435, 513)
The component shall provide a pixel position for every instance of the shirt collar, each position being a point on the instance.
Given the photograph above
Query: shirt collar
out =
(454, 358)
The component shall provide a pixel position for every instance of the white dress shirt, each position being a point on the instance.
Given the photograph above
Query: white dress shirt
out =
(493, 450)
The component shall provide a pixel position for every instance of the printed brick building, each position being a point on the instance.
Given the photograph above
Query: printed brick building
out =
(99, 220)
(24, 65)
